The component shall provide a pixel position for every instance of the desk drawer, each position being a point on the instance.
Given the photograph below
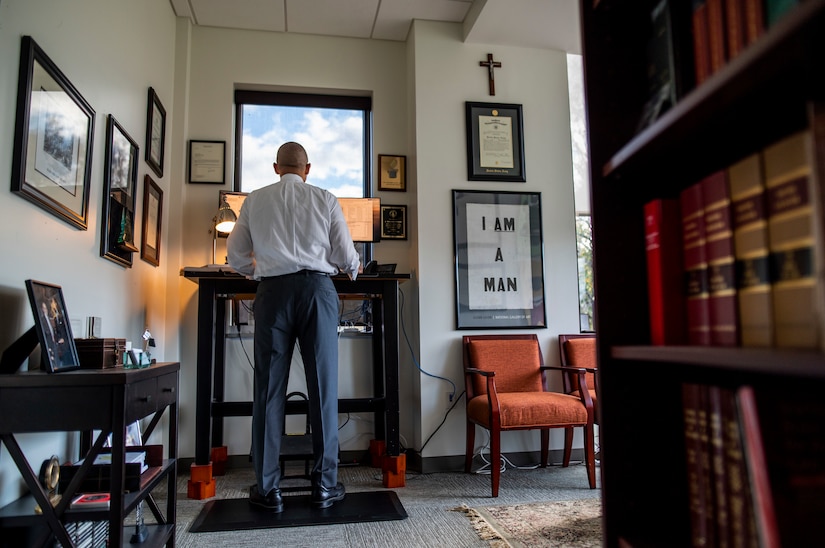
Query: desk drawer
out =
(141, 399)
(167, 390)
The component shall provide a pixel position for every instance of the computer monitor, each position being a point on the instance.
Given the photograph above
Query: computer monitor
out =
(363, 218)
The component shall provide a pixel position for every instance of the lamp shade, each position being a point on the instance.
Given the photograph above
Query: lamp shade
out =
(225, 219)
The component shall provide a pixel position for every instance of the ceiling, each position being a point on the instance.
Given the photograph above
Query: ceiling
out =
(543, 24)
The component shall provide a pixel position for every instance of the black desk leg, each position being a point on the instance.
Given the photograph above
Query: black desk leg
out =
(206, 337)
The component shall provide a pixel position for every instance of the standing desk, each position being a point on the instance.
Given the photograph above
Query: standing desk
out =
(218, 284)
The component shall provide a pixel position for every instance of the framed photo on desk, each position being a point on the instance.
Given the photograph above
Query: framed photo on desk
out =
(51, 321)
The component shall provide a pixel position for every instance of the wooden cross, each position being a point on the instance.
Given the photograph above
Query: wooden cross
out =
(491, 65)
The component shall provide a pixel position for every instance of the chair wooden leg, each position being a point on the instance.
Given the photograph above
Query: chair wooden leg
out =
(495, 459)
(589, 454)
(545, 445)
(568, 446)
(470, 446)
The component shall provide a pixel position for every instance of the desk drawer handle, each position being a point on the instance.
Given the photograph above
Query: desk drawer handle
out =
(146, 399)
(169, 389)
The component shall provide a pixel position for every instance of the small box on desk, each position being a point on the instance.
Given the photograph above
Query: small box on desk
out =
(100, 353)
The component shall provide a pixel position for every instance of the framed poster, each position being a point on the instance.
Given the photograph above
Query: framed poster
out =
(393, 222)
(392, 172)
(51, 322)
(152, 219)
(207, 162)
(117, 229)
(495, 142)
(155, 132)
(53, 136)
(499, 260)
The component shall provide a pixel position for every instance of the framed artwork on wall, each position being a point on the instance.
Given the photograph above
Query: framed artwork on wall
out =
(117, 240)
(53, 137)
(54, 332)
(152, 219)
(155, 133)
(495, 142)
(392, 172)
(499, 260)
(207, 161)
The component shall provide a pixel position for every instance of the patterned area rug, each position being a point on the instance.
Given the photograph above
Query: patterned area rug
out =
(574, 524)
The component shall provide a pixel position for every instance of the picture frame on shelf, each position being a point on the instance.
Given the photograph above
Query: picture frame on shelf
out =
(207, 162)
(53, 139)
(392, 173)
(495, 142)
(54, 331)
(499, 254)
(155, 133)
(393, 222)
(117, 242)
(152, 221)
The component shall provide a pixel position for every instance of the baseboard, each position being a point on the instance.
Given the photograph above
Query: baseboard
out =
(428, 465)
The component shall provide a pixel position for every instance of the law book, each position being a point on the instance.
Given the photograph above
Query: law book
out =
(697, 459)
(701, 47)
(741, 522)
(694, 262)
(792, 243)
(716, 35)
(663, 248)
(750, 239)
(88, 501)
(735, 27)
(718, 471)
(754, 20)
(724, 328)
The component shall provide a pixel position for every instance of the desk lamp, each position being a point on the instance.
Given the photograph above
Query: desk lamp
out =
(223, 222)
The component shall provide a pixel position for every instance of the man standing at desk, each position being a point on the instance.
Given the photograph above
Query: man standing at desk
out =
(292, 236)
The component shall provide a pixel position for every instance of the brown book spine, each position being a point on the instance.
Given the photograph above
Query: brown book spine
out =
(754, 20)
(724, 325)
(716, 35)
(718, 470)
(698, 467)
(695, 265)
(701, 47)
(742, 527)
(735, 27)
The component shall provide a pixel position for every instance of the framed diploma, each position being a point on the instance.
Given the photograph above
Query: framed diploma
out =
(499, 260)
(393, 222)
(207, 161)
(495, 142)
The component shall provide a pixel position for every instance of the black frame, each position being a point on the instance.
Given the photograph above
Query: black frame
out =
(155, 133)
(214, 169)
(152, 218)
(117, 241)
(502, 218)
(393, 222)
(479, 169)
(56, 179)
(54, 331)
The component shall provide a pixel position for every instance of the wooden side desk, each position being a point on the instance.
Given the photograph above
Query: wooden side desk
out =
(81, 401)
(216, 285)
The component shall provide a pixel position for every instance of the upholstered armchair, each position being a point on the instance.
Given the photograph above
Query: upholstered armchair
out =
(506, 386)
(578, 351)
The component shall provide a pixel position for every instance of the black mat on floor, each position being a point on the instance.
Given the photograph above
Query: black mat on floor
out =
(238, 514)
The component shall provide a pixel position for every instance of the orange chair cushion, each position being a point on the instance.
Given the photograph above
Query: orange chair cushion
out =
(582, 353)
(529, 410)
(515, 362)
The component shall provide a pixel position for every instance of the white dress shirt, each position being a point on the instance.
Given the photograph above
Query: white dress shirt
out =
(290, 226)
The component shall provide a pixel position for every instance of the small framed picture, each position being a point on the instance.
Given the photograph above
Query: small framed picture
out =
(393, 222)
(51, 322)
(207, 161)
(392, 172)
(152, 218)
(117, 242)
(495, 142)
(155, 132)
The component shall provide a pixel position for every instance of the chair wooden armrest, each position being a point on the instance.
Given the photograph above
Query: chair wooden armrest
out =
(581, 372)
(480, 372)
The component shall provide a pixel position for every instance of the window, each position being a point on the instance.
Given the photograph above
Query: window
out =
(334, 129)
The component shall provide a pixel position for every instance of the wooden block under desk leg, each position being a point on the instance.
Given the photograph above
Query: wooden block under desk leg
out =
(395, 471)
(200, 473)
(200, 490)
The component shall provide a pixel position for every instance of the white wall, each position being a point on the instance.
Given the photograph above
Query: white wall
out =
(112, 52)
(447, 74)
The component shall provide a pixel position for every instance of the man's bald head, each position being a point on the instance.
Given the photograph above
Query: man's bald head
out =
(292, 158)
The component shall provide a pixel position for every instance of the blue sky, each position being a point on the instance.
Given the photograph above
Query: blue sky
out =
(333, 140)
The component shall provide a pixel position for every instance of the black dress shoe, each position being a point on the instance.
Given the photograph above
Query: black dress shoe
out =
(324, 497)
(272, 502)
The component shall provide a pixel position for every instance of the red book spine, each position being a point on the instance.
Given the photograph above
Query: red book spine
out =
(701, 49)
(695, 265)
(663, 247)
(735, 26)
(716, 35)
(754, 20)
(724, 325)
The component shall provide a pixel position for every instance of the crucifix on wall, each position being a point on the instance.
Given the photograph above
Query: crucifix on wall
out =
(491, 66)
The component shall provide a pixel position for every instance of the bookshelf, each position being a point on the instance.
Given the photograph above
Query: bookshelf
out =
(768, 91)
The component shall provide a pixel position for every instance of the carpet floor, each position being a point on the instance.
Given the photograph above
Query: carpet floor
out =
(430, 500)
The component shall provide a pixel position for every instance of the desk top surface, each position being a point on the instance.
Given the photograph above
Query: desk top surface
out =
(225, 271)
(86, 377)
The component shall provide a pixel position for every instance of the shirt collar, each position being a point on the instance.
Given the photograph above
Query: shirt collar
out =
(291, 178)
